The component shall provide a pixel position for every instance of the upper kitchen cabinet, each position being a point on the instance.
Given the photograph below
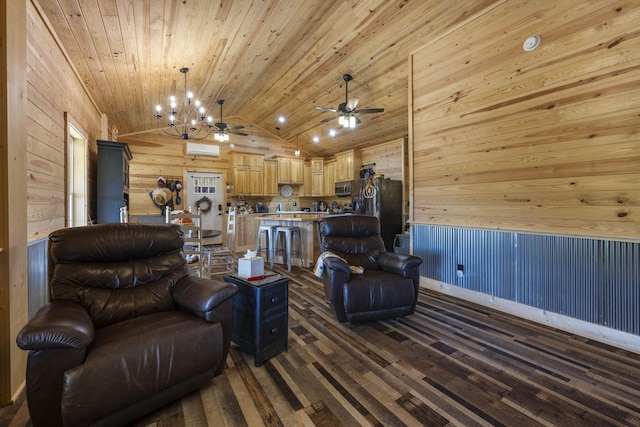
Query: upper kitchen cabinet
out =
(290, 171)
(270, 178)
(306, 187)
(247, 160)
(113, 180)
(329, 178)
(317, 177)
(347, 165)
(248, 174)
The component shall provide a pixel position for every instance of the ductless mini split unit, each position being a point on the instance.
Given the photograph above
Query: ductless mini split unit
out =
(194, 149)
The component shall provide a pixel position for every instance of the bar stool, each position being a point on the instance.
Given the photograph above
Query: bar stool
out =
(288, 232)
(270, 243)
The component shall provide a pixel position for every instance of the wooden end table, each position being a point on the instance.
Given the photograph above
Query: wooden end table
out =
(260, 315)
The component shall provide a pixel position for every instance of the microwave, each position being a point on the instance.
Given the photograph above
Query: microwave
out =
(343, 189)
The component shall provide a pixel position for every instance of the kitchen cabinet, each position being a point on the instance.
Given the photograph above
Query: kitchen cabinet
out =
(247, 160)
(348, 164)
(317, 184)
(306, 187)
(317, 165)
(248, 174)
(290, 171)
(270, 178)
(329, 178)
(317, 177)
(113, 180)
(248, 182)
(297, 171)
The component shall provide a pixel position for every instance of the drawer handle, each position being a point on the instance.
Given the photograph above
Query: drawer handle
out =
(274, 331)
(275, 300)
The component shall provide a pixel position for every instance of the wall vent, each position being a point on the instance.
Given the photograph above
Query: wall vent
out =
(194, 149)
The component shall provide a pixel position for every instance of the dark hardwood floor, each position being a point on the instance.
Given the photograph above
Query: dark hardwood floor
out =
(452, 363)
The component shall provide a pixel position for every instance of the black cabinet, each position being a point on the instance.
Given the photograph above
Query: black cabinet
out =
(113, 180)
(260, 316)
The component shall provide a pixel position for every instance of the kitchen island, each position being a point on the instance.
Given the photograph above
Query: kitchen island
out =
(308, 223)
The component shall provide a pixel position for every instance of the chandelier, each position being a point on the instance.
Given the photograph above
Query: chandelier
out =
(190, 122)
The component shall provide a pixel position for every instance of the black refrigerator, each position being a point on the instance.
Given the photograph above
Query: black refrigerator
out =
(381, 198)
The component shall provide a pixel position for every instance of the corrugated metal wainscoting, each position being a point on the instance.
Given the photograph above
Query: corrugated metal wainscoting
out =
(597, 281)
(38, 274)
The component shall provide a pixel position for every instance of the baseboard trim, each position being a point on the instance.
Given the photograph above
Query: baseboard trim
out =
(599, 333)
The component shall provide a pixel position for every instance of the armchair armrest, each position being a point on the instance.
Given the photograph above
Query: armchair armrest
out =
(336, 265)
(201, 296)
(57, 325)
(402, 264)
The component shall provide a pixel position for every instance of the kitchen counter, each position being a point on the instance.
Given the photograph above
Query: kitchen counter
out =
(308, 223)
(247, 225)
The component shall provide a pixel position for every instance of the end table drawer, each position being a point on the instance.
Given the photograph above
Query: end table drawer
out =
(274, 297)
(274, 330)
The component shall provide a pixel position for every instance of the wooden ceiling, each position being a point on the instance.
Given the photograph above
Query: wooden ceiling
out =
(265, 58)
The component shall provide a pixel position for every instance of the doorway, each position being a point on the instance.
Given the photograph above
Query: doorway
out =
(206, 191)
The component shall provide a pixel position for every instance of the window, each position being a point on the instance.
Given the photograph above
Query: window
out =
(76, 177)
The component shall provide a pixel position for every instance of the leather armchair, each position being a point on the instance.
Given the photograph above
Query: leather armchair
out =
(127, 330)
(388, 286)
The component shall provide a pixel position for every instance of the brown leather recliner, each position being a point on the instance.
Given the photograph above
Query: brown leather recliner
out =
(388, 286)
(127, 330)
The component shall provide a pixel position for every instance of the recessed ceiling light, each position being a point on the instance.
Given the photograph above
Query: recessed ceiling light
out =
(281, 119)
(332, 132)
(316, 139)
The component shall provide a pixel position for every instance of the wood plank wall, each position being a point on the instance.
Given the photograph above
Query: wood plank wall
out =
(542, 141)
(53, 89)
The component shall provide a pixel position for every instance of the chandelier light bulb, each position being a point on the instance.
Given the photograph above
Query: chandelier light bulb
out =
(209, 119)
(173, 105)
(158, 108)
(172, 99)
(172, 118)
(189, 95)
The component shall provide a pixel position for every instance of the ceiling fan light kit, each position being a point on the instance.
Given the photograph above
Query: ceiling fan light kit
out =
(347, 117)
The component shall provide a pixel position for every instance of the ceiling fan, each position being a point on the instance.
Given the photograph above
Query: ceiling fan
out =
(347, 109)
(224, 129)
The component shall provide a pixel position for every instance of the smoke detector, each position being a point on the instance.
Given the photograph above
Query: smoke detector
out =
(531, 43)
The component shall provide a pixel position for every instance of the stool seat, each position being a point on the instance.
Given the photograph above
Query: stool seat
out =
(284, 236)
(269, 232)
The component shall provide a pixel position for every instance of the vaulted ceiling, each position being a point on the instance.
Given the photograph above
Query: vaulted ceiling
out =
(265, 58)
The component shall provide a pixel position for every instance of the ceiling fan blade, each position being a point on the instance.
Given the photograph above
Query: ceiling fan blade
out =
(220, 126)
(235, 127)
(357, 120)
(238, 133)
(328, 119)
(326, 109)
(369, 111)
(352, 104)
